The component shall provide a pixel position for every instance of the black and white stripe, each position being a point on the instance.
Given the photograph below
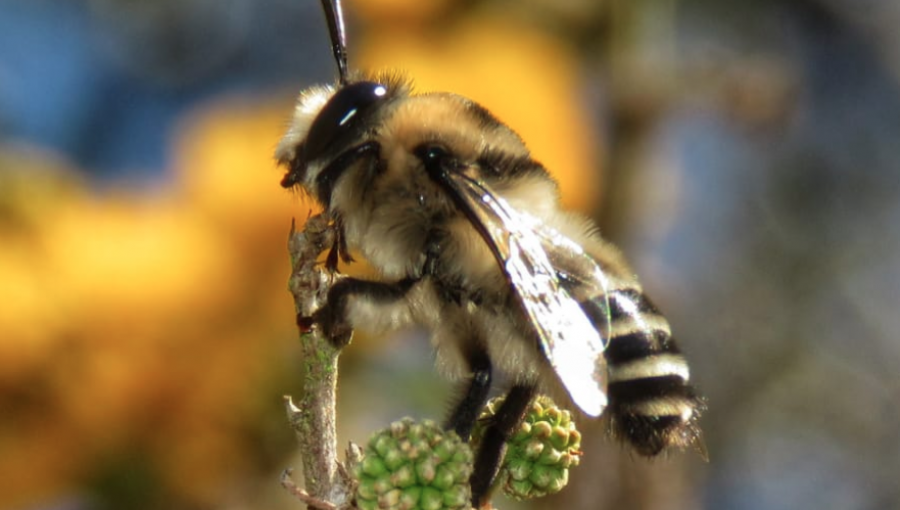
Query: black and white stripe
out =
(651, 403)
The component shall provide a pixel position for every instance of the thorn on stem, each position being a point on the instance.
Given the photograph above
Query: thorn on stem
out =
(288, 483)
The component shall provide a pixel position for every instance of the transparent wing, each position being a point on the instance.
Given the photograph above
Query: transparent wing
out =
(560, 287)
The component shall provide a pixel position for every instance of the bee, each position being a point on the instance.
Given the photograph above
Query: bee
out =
(466, 232)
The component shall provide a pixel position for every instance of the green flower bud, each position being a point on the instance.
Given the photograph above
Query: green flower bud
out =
(538, 454)
(414, 466)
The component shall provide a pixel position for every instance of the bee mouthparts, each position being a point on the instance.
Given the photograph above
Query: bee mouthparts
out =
(290, 180)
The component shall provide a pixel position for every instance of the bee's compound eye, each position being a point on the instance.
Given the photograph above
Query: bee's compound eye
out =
(434, 153)
(340, 114)
(432, 156)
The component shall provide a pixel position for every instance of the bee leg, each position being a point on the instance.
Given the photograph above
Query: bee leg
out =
(338, 248)
(463, 417)
(331, 261)
(332, 317)
(343, 250)
(501, 428)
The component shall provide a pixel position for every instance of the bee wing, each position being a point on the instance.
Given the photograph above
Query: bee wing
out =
(521, 243)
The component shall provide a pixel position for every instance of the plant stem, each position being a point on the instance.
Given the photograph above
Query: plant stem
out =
(313, 420)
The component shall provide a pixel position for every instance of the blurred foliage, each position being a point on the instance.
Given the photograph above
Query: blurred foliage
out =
(143, 328)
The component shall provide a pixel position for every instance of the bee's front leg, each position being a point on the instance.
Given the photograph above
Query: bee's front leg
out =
(338, 250)
(355, 303)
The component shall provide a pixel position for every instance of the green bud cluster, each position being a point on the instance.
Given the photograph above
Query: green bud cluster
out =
(414, 466)
(540, 453)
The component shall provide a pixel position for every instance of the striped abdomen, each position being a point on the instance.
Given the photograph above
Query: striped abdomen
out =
(651, 403)
(649, 400)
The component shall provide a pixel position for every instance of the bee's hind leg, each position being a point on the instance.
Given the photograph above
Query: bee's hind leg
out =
(493, 444)
(466, 411)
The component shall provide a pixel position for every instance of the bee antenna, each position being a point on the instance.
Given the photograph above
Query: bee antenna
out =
(335, 19)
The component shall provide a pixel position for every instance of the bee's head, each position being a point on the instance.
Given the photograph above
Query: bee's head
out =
(332, 121)
(327, 122)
